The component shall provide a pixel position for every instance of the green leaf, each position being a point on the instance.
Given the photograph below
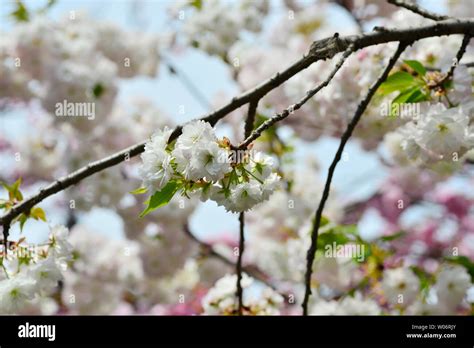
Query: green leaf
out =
(398, 81)
(330, 237)
(139, 191)
(196, 3)
(16, 185)
(18, 195)
(324, 221)
(411, 95)
(50, 3)
(417, 66)
(22, 220)
(346, 229)
(21, 13)
(425, 278)
(161, 198)
(463, 261)
(46, 7)
(11, 196)
(417, 96)
(406, 95)
(393, 236)
(14, 190)
(38, 214)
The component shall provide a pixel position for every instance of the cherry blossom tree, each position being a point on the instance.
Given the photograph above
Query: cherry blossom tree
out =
(394, 78)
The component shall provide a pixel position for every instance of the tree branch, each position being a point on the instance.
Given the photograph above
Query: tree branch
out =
(418, 10)
(249, 122)
(458, 58)
(6, 232)
(240, 294)
(291, 109)
(345, 137)
(322, 49)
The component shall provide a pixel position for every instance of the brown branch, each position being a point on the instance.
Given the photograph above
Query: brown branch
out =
(458, 58)
(249, 122)
(6, 232)
(319, 50)
(345, 137)
(291, 109)
(418, 10)
(240, 294)
(467, 65)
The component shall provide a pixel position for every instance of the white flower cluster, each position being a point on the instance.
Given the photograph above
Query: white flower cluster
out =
(42, 152)
(400, 286)
(451, 286)
(109, 188)
(14, 81)
(75, 60)
(103, 270)
(31, 271)
(237, 180)
(438, 134)
(460, 8)
(216, 26)
(335, 104)
(356, 305)
(337, 273)
(221, 299)
(163, 289)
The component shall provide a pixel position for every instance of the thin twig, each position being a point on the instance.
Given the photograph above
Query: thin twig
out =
(250, 120)
(6, 233)
(458, 58)
(291, 109)
(71, 219)
(418, 10)
(240, 294)
(467, 65)
(345, 137)
(322, 49)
